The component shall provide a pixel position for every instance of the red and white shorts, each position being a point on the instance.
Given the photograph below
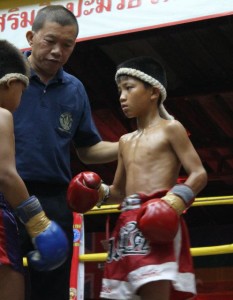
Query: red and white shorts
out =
(133, 262)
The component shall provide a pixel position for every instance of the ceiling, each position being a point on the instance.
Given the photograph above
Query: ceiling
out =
(198, 58)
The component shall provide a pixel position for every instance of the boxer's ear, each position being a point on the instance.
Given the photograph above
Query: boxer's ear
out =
(155, 93)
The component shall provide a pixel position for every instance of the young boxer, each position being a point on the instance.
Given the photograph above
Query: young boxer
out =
(149, 250)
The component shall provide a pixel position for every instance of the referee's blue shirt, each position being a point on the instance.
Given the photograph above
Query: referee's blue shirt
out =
(48, 119)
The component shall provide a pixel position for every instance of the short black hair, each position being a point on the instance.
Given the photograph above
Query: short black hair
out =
(12, 60)
(54, 13)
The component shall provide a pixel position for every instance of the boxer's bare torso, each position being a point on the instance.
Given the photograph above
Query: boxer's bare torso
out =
(149, 160)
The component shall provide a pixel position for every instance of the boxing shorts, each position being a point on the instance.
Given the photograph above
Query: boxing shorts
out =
(133, 262)
(10, 253)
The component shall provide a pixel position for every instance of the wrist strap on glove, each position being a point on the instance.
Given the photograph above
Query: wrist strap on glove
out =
(104, 193)
(184, 192)
(180, 197)
(32, 215)
(28, 209)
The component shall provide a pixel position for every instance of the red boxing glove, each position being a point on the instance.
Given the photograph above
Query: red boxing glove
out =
(83, 191)
(158, 221)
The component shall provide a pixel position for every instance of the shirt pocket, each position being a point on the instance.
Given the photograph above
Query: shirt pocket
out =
(65, 121)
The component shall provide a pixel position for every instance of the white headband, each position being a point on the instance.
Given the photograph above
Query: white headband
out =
(152, 81)
(144, 77)
(18, 76)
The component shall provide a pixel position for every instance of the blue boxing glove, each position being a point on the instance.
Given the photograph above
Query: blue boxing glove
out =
(51, 243)
(52, 248)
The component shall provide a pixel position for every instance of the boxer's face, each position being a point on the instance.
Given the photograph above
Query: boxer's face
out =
(135, 97)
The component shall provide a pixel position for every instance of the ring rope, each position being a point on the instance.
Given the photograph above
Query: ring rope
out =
(221, 200)
(198, 251)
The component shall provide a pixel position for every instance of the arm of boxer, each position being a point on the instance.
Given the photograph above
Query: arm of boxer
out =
(11, 184)
(180, 197)
(51, 243)
(85, 191)
(188, 156)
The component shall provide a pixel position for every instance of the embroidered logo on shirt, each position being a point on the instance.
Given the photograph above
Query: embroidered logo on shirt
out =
(65, 121)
